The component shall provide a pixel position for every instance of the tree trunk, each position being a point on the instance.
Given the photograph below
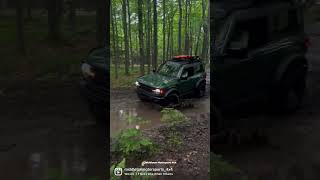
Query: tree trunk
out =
(164, 30)
(4, 4)
(72, 16)
(102, 24)
(29, 9)
(205, 29)
(20, 24)
(115, 41)
(186, 38)
(148, 34)
(179, 26)
(141, 41)
(125, 32)
(198, 41)
(155, 36)
(130, 36)
(168, 40)
(54, 19)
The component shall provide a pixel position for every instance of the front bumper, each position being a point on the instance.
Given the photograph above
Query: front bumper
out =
(94, 93)
(148, 96)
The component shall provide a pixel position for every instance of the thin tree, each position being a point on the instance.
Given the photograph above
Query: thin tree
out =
(102, 22)
(179, 26)
(155, 36)
(130, 32)
(148, 29)
(205, 30)
(141, 41)
(20, 27)
(54, 8)
(115, 40)
(164, 30)
(186, 35)
(29, 9)
(72, 15)
(125, 32)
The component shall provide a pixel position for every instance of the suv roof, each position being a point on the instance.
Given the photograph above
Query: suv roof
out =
(185, 59)
(222, 9)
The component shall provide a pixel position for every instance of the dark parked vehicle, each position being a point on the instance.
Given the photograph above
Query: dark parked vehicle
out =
(94, 83)
(258, 56)
(178, 77)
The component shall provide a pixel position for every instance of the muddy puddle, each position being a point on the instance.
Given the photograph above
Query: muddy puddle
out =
(127, 103)
(77, 155)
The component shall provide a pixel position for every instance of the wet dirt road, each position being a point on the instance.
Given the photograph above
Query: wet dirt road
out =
(126, 102)
(46, 132)
(292, 150)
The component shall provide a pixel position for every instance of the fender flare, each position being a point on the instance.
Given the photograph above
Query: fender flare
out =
(283, 67)
(199, 82)
(172, 90)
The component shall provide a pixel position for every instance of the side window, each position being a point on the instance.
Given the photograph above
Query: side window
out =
(198, 68)
(250, 34)
(285, 22)
(189, 71)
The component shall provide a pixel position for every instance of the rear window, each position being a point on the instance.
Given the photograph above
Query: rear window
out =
(198, 68)
(284, 23)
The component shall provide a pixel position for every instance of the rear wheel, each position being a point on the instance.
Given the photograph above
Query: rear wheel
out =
(289, 95)
(201, 90)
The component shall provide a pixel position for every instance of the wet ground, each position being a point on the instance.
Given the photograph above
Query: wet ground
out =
(291, 149)
(126, 102)
(46, 132)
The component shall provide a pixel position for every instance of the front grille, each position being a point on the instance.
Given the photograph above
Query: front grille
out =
(146, 88)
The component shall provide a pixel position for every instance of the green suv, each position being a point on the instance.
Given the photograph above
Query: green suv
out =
(174, 79)
(258, 55)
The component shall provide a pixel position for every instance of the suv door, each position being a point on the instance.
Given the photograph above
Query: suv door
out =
(187, 78)
(239, 71)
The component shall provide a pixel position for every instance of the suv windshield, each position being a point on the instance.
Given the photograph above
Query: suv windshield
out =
(169, 68)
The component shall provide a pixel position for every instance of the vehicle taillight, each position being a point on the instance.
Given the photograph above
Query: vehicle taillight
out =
(307, 43)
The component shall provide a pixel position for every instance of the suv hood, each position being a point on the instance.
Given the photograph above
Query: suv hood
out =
(156, 80)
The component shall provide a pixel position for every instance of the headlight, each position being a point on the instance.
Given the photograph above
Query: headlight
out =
(137, 83)
(158, 91)
(87, 70)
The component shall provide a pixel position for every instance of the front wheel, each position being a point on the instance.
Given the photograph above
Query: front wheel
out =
(172, 100)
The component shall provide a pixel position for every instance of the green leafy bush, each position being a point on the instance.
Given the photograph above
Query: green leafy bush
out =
(173, 117)
(223, 170)
(131, 143)
(175, 139)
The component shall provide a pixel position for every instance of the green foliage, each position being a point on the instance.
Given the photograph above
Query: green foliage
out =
(222, 170)
(131, 143)
(175, 139)
(173, 117)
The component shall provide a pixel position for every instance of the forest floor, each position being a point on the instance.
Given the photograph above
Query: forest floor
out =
(193, 155)
(46, 130)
